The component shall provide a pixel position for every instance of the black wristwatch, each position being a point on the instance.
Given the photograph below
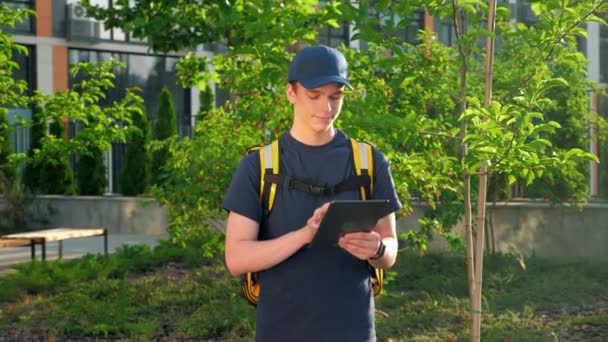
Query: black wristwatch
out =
(380, 252)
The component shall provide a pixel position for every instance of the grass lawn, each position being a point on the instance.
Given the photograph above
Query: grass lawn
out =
(171, 293)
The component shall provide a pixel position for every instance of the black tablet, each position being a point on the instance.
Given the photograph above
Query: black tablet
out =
(344, 217)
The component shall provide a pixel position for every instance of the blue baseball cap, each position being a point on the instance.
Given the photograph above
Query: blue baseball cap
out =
(318, 65)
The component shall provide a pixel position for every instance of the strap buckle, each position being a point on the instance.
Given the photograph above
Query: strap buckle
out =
(316, 190)
(290, 182)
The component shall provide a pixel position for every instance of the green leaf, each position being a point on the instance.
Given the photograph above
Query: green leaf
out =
(541, 141)
(333, 23)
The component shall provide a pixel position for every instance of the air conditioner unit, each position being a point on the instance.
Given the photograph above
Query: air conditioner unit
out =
(79, 26)
(77, 12)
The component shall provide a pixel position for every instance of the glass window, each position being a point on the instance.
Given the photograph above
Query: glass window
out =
(408, 28)
(604, 54)
(445, 31)
(27, 26)
(603, 152)
(20, 136)
(405, 29)
(334, 36)
(59, 18)
(26, 71)
(525, 14)
(151, 74)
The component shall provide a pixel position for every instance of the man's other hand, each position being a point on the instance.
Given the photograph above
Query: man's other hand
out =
(313, 223)
(362, 245)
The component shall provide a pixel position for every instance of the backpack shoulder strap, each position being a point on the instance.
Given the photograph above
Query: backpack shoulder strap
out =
(269, 163)
(363, 158)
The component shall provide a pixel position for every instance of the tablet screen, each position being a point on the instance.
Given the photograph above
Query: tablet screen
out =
(344, 217)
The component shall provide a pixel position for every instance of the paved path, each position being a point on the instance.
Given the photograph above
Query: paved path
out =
(74, 248)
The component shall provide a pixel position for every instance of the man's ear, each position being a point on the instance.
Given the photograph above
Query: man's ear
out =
(290, 91)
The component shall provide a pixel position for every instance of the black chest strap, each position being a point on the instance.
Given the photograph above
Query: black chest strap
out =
(353, 182)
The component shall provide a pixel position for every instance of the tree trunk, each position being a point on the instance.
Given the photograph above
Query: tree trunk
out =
(483, 177)
(466, 177)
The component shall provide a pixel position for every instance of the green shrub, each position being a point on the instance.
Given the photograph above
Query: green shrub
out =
(7, 168)
(91, 173)
(135, 173)
(34, 279)
(53, 174)
(206, 100)
(58, 177)
(101, 309)
(10, 290)
(165, 127)
(32, 170)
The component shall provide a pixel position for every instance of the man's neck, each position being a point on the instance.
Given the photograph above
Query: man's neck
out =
(313, 138)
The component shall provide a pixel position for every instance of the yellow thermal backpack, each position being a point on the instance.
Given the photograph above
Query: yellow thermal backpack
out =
(270, 179)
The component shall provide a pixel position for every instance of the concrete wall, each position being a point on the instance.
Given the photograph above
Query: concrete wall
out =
(528, 228)
(536, 228)
(129, 215)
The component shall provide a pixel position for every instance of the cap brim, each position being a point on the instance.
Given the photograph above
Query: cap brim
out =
(321, 81)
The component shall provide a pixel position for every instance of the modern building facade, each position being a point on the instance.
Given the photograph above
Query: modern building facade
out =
(62, 35)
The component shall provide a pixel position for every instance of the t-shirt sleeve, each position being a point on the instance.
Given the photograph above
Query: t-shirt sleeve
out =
(243, 196)
(384, 186)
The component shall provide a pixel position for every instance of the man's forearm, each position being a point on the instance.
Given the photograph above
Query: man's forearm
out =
(252, 256)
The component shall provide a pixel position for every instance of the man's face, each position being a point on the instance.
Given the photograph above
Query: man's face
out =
(316, 109)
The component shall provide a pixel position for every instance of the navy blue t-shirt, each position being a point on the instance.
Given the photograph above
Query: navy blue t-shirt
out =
(316, 294)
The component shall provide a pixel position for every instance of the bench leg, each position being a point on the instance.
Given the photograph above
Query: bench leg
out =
(43, 246)
(105, 242)
(60, 243)
(33, 249)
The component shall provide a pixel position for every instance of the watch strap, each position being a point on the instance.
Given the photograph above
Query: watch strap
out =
(380, 252)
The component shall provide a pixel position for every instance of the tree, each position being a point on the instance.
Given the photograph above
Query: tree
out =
(237, 24)
(49, 176)
(165, 127)
(135, 173)
(98, 126)
(81, 104)
(424, 89)
(206, 100)
(506, 138)
(460, 119)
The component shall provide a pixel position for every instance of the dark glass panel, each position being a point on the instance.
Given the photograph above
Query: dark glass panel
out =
(604, 54)
(27, 25)
(603, 166)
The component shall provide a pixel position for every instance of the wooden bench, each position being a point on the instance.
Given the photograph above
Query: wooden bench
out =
(41, 237)
(11, 243)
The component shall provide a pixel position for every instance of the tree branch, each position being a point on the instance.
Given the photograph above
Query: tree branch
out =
(549, 54)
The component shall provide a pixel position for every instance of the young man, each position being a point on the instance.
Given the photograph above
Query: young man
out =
(310, 294)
